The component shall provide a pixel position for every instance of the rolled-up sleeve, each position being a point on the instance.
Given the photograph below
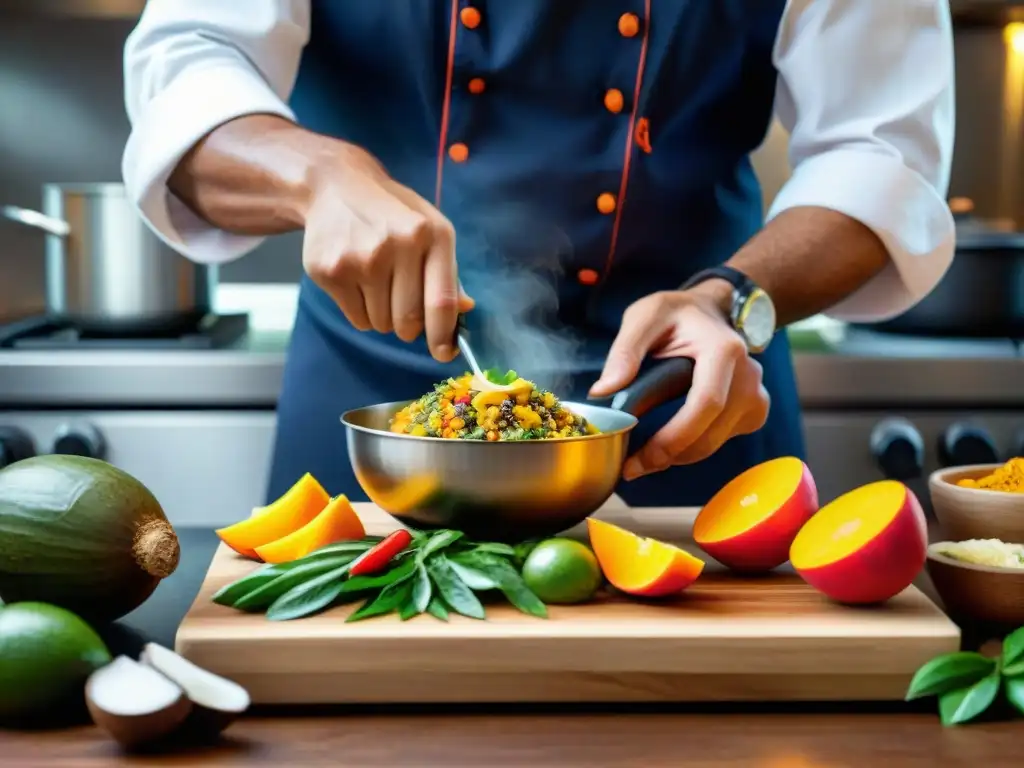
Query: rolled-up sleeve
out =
(866, 91)
(190, 66)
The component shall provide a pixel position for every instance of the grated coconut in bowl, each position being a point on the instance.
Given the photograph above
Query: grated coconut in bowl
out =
(991, 552)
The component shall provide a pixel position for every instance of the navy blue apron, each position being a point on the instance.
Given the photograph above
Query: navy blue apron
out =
(588, 152)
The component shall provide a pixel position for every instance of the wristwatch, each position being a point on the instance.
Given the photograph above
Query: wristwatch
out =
(752, 314)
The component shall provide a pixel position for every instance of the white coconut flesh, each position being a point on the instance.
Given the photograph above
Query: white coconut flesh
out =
(202, 687)
(125, 688)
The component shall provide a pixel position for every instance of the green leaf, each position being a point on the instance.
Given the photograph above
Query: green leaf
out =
(264, 596)
(390, 598)
(309, 597)
(1013, 648)
(422, 589)
(395, 574)
(523, 550)
(440, 540)
(495, 376)
(357, 546)
(1014, 670)
(456, 594)
(472, 577)
(494, 547)
(229, 594)
(965, 704)
(1015, 693)
(509, 582)
(949, 672)
(436, 609)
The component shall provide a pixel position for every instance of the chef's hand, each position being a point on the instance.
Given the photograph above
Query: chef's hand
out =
(727, 397)
(383, 253)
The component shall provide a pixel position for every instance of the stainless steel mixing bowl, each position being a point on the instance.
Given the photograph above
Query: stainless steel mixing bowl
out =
(504, 491)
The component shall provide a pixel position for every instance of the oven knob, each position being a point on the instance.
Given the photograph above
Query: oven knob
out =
(964, 444)
(79, 440)
(15, 445)
(898, 449)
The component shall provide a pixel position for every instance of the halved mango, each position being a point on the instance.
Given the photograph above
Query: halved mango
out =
(299, 504)
(337, 522)
(640, 566)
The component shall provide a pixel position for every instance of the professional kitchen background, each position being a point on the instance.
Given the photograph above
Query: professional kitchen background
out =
(196, 423)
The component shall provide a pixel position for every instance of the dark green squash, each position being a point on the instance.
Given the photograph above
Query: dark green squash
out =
(82, 534)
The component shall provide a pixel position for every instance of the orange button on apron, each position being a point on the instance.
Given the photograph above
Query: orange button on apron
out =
(477, 85)
(459, 153)
(613, 100)
(629, 25)
(587, 277)
(606, 202)
(470, 18)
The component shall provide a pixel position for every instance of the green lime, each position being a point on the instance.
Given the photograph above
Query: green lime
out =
(46, 655)
(562, 571)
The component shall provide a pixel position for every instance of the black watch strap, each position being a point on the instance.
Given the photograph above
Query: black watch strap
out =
(743, 285)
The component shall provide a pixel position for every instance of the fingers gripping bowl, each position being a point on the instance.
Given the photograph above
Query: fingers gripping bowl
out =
(514, 487)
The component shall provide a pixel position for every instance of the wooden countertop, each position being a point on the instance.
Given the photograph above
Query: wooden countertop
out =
(706, 735)
(725, 738)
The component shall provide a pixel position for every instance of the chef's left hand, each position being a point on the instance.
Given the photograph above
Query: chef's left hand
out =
(727, 397)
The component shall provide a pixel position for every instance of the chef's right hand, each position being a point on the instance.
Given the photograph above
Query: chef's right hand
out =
(383, 253)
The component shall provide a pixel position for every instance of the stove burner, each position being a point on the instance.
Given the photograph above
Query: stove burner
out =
(41, 332)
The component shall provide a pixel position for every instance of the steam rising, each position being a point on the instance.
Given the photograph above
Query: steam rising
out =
(512, 267)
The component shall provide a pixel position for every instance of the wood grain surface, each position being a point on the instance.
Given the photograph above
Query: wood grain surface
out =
(628, 737)
(727, 638)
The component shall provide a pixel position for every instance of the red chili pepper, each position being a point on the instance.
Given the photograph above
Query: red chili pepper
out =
(376, 558)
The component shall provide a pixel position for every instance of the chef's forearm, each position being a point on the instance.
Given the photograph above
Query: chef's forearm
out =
(808, 259)
(254, 175)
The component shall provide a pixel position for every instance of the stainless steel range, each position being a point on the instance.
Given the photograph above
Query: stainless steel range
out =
(193, 416)
(189, 414)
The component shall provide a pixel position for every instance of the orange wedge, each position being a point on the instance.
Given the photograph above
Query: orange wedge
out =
(337, 522)
(641, 566)
(299, 504)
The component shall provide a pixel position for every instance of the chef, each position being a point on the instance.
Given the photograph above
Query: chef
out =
(429, 147)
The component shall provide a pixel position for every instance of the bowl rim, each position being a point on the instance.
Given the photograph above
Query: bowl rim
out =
(346, 420)
(995, 570)
(941, 477)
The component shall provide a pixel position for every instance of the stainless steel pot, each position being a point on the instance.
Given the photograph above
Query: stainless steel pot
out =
(504, 490)
(105, 268)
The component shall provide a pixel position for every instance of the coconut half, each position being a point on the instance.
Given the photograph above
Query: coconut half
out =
(216, 701)
(134, 703)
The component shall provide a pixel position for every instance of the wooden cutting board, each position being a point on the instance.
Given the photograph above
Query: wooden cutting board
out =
(726, 639)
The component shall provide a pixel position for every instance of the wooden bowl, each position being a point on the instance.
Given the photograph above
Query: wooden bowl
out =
(973, 513)
(978, 592)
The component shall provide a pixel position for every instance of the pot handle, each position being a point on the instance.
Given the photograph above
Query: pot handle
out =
(666, 380)
(36, 220)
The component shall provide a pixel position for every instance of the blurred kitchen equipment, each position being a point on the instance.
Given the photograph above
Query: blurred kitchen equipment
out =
(105, 269)
(504, 490)
(982, 294)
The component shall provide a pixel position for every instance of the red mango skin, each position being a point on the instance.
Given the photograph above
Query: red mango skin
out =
(883, 567)
(676, 581)
(765, 546)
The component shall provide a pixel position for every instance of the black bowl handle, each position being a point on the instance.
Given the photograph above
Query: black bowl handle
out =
(666, 380)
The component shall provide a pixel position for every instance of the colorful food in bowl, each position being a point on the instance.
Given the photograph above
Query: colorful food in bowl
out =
(972, 502)
(462, 409)
(1008, 478)
(979, 579)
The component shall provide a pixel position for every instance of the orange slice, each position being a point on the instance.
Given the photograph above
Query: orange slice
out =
(641, 566)
(299, 504)
(337, 522)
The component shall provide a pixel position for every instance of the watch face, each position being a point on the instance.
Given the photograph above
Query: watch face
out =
(757, 321)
